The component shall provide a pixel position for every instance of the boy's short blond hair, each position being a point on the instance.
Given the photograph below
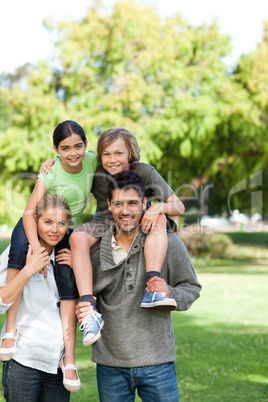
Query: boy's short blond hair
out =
(107, 137)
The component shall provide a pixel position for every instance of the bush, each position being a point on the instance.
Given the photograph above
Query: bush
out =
(200, 242)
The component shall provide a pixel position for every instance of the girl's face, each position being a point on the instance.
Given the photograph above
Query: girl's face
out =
(115, 157)
(72, 152)
(51, 227)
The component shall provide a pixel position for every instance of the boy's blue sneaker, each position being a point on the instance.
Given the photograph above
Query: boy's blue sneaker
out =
(91, 326)
(158, 301)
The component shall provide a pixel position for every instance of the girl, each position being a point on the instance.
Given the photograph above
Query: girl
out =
(40, 343)
(118, 150)
(71, 177)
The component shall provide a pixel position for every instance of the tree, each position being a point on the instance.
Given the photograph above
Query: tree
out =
(164, 80)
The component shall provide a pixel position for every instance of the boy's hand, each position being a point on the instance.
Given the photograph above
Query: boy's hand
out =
(46, 166)
(64, 257)
(149, 218)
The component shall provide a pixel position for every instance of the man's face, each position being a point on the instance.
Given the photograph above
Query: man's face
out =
(127, 207)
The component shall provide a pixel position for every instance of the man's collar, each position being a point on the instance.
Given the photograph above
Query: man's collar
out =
(106, 257)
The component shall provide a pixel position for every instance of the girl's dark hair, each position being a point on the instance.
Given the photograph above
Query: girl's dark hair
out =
(65, 130)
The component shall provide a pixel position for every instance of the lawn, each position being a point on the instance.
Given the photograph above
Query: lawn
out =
(221, 342)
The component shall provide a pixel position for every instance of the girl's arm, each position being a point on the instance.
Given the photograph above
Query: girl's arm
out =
(34, 263)
(172, 207)
(28, 219)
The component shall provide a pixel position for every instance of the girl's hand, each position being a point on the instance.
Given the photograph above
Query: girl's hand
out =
(156, 284)
(149, 218)
(64, 257)
(46, 166)
(37, 262)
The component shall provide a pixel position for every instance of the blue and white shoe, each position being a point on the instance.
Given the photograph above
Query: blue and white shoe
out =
(158, 301)
(91, 326)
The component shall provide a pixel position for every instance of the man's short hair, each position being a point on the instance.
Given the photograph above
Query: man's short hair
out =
(125, 180)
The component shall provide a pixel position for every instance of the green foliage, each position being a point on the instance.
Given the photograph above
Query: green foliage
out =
(251, 238)
(201, 242)
(163, 79)
(4, 114)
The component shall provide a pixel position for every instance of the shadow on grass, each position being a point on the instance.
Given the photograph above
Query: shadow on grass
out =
(220, 363)
(235, 268)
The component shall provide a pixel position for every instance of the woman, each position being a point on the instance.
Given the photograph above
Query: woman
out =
(33, 374)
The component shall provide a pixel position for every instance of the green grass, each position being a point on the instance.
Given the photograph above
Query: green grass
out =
(221, 342)
(3, 244)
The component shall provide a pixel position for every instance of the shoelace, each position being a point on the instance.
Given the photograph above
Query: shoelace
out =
(88, 324)
(158, 293)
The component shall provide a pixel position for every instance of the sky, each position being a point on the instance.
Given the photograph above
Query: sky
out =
(24, 39)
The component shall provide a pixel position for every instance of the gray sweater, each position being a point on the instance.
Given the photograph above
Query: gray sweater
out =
(133, 336)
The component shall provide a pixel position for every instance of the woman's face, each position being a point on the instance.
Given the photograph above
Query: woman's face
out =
(72, 152)
(52, 226)
(115, 157)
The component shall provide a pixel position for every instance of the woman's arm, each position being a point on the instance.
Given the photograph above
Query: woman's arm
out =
(34, 263)
(28, 219)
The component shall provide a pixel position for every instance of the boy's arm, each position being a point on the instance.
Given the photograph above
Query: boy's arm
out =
(46, 166)
(172, 207)
(28, 219)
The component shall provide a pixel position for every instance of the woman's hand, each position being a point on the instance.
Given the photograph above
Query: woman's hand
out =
(64, 257)
(37, 262)
(46, 166)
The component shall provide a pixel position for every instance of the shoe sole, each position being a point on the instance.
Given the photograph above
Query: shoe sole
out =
(71, 388)
(6, 356)
(95, 338)
(160, 306)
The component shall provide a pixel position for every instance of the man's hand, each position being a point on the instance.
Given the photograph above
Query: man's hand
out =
(64, 257)
(156, 284)
(83, 309)
(46, 166)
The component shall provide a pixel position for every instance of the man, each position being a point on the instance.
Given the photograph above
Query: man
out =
(136, 349)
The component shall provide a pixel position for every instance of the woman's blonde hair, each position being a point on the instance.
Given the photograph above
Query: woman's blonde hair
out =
(53, 201)
(107, 137)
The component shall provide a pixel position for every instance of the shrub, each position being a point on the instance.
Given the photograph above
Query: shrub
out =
(200, 241)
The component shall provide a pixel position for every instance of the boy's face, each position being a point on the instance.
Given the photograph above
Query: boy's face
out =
(115, 157)
(127, 209)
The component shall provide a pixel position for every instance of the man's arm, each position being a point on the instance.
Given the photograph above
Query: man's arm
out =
(178, 277)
